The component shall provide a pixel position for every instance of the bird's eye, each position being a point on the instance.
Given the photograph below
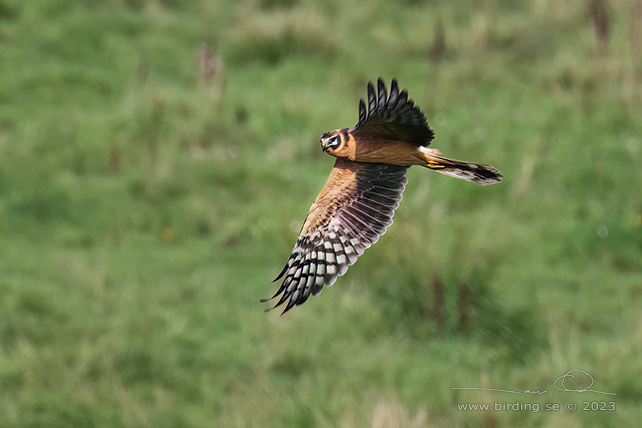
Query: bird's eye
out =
(332, 140)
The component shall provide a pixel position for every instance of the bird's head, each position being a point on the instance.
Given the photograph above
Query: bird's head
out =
(332, 141)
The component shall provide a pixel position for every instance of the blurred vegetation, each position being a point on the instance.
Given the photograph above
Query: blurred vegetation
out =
(157, 158)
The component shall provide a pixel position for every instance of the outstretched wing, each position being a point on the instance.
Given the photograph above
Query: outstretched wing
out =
(393, 117)
(354, 208)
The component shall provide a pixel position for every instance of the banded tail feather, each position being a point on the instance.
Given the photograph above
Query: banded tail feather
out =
(470, 171)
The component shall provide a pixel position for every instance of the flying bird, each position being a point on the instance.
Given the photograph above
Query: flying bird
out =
(356, 204)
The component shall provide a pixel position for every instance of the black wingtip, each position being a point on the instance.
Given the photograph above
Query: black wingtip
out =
(289, 306)
(371, 90)
(394, 90)
(279, 303)
(383, 93)
(285, 268)
(362, 111)
(372, 99)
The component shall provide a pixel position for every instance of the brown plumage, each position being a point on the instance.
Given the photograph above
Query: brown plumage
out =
(356, 205)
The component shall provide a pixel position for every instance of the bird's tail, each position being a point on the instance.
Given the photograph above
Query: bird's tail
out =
(469, 171)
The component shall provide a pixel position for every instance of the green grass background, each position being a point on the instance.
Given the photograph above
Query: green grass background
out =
(157, 158)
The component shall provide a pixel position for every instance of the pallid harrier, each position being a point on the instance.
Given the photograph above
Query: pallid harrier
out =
(356, 205)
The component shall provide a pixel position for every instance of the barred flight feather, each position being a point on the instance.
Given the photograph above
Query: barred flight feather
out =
(359, 218)
(393, 117)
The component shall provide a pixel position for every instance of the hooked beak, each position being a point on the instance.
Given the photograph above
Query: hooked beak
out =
(324, 145)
